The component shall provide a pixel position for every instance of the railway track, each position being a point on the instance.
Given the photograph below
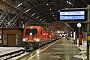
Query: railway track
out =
(11, 54)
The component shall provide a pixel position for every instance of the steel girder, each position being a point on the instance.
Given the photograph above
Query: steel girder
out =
(4, 15)
(16, 17)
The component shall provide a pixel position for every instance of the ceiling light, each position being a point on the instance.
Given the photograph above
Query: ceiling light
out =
(50, 9)
(70, 3)
(88, 5)
(19, 4)
(3, 0)
(67, 1)
(43, 21)
(27, 10)
(38, 17)
(47, 4)
(22, 22)
(66, 8)
(33, 14)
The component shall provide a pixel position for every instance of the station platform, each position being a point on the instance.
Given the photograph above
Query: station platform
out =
(83, 50)
(58, 50)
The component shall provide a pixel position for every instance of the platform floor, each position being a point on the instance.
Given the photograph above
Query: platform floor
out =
(58, 50)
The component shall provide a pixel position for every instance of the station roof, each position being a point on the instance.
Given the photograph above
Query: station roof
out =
(18, 12)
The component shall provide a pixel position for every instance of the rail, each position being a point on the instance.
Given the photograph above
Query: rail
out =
(11, 54)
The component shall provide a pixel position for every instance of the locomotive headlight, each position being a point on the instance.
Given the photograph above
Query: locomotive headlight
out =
(36, 39)
(24, 39)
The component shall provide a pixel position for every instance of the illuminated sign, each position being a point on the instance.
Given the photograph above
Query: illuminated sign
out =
(67, 15)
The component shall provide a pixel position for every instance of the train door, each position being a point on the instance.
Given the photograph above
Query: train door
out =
(11, 40)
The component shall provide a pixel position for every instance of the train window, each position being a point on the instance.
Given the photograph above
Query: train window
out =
(31, 31)
(41, 32)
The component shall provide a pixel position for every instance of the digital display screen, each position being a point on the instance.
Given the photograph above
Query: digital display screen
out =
(72, 14)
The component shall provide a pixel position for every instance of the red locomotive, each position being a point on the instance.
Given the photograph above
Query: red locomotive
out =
(35, 36)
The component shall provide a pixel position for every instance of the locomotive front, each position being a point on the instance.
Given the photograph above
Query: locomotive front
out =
(31, 38)
(30, 35)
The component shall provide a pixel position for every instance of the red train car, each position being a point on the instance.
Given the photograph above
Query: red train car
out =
(35, 36)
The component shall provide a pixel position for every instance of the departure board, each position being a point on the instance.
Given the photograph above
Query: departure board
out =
(65, 15)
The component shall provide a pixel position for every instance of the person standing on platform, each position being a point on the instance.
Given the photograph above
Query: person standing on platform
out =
(70, 39)
(63, 39)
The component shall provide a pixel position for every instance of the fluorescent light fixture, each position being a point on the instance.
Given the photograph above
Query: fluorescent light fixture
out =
(38, 17)
(0, 37)
(69, 2)
(19, 4)
(27, 10)
(33, 14)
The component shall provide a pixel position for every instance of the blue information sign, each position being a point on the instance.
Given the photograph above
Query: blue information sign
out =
(66, 15)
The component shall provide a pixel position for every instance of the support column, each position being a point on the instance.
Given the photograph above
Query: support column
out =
(88, 25)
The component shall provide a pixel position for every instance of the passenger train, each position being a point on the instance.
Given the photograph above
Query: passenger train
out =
(36, 36)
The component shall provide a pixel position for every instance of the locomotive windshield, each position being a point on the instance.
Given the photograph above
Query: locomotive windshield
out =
(31, 31)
